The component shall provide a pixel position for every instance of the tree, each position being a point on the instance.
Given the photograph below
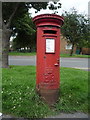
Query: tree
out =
(85, 37)
(12, 12)
(24, 41)
(74, 28)
(25, 29)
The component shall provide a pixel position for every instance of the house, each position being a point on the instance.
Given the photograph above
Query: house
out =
(86, 51)
(65, 47)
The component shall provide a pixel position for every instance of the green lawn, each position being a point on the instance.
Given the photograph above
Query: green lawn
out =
(22, 54)
(75, 55)
(19, 97)
(34, 53)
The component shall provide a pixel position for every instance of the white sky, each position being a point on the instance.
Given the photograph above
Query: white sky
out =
(80, 5)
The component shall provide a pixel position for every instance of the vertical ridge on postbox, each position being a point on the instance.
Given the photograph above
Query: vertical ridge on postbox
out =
(48, 51)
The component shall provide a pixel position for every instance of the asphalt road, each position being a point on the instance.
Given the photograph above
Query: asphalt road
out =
(79, 63)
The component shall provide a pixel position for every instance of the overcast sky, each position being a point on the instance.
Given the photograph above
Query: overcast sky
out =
(80, 5)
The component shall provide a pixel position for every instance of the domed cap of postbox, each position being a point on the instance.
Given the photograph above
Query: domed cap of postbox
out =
(48, 20)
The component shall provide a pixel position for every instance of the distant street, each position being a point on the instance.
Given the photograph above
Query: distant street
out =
(80, 63)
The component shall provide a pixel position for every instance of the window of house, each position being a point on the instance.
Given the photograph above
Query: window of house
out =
(68, 47)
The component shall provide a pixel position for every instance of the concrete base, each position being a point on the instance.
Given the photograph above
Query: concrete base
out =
(49, 96)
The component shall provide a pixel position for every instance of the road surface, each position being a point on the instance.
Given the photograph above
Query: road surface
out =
(79, 63)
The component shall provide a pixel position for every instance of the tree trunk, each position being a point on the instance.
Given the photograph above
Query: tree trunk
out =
(72, 49)
(5, 47)
(6, 33)
(80, 50)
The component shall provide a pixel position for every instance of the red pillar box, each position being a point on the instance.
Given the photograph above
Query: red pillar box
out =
(48, 51)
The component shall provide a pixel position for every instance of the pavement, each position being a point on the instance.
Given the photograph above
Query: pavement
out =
(69, 115)
(61, 115)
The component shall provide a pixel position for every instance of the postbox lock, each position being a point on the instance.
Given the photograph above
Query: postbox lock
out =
(44, 57)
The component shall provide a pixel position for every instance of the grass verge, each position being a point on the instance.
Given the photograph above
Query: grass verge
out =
(75, 55)
(34, 53)
(19, 97)
(22, 54)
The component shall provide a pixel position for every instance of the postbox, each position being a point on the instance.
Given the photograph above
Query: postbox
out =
(48, 55)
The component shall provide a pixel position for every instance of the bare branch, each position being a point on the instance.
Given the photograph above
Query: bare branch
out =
(12, 15)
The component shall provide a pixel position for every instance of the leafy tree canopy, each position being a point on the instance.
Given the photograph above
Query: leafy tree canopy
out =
(14, 15)
(75, 28)
(25, 30)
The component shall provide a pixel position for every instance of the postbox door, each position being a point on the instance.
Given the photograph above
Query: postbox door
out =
(51, 62)
(48, 52)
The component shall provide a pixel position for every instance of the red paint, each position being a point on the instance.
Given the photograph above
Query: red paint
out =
(47, 74)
